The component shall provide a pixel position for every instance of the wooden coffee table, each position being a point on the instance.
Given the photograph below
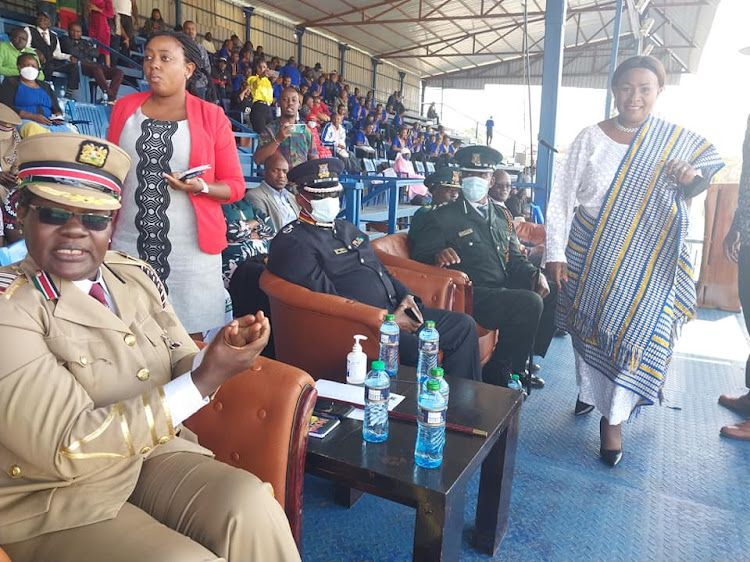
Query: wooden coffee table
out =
(388, 469)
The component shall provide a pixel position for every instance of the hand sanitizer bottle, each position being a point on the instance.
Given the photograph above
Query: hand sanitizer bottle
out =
(356, 363)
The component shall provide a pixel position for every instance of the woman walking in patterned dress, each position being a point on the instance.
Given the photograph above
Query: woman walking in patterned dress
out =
(616, 246)
(177, 226)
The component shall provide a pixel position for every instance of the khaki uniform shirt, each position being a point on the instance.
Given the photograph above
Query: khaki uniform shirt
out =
(81, 396)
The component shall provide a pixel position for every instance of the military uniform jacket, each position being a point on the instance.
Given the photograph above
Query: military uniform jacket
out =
(337, 261)
(488, 249)
(81, 397)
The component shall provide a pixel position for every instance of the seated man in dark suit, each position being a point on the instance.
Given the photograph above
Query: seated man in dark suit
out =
(332, 256)
(85, 52)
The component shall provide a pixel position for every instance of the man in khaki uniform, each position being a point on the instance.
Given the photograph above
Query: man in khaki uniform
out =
(96, 376)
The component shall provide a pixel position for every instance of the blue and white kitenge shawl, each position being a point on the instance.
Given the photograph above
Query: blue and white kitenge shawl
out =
(631, 282)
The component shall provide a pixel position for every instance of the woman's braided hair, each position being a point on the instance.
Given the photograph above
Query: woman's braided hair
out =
(192, 54)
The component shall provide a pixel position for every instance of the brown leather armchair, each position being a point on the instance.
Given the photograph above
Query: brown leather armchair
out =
(393, 251)
(258, 421)
(314, 331)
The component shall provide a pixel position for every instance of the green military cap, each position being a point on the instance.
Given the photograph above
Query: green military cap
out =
(72, 169)
(444, 177)
(477, 158)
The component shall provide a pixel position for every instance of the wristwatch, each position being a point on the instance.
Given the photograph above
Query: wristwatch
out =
(204, 189)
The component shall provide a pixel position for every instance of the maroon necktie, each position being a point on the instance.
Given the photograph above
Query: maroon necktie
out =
(97, 291)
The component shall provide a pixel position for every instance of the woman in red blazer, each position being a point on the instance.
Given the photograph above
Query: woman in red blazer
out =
(177, 226)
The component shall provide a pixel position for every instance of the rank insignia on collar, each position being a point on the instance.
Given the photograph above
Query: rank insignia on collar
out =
(93, 153)
(456, 178)
(339, 251)
(323, 171)
(357, 242)
(288, 228)
(465, 232)
(476, 158)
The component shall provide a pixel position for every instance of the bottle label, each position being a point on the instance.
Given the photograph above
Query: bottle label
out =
(388, 339)
(428, 346)
(378, 394)
(432, 417)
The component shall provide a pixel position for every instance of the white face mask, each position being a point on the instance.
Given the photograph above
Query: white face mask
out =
(325, 210)
(312, 124)
(30, 73)
(474, 188)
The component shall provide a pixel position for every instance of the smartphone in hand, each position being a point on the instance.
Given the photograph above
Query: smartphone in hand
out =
(193, 172)
(298, 129)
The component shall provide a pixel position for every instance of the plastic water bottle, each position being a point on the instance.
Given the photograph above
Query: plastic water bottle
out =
(515, 383)
(429, 341)
(377, 393)
(389, 332)
(428, 452)
(105, 98)
(437, 373)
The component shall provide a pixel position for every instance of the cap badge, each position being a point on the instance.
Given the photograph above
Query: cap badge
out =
(476, 159)
(323, 171)
(93, 153)
(456, 178)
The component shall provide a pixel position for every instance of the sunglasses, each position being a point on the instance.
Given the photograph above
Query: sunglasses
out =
(59, 217)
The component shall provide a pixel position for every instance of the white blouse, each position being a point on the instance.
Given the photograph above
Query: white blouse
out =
(584, 179)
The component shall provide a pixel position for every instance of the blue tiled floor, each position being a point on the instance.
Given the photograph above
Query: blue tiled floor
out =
(680, 493)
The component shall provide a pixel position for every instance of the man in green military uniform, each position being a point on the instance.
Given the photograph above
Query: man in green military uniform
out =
(444, 186)
(510, 293)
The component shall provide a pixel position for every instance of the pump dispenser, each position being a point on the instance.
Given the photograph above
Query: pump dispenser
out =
(356, 363)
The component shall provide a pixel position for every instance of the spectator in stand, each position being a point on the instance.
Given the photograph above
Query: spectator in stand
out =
(362, 147)
(331, 88)
(226, 49)
(154, 23)
(398, 120)
(259, 52)
(370, 101)
(233, 65)
(48, 7)
(222, 79)
(100, 12)
(208, 43)
(526, 175)
(320, 111)
(417, 148)
(282, 82)
(47, 45)
(446, 147)
(307, 78)
(32, 99)
(127, 15)
(10, 51)
(68, 11)
(281, 135)
(490, 126)
(85, 52)
(202, 77)
(431, 146)
(273, 68)
(166, 131)
(392, 99)
(433, 114)
(292, 71)
(261, 93)
(518, 203)
(353, 98)
(236, 43)
(312, 124)
(246, 59)
(317, 86)
(418, 193)
(303, 90)
(317, 71)
(399, 143)
(334, 136)
(272, 196)
(306, 108)
(444, 185)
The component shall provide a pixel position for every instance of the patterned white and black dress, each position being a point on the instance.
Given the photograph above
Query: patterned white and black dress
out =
(158, 224)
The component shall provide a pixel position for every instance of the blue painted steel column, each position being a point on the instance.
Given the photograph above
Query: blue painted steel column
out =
(178, 12)
(401, 76)
(247, 11)
(554, 36)
(375, 63)
(299, 32)
(343, 48)
(613, 57)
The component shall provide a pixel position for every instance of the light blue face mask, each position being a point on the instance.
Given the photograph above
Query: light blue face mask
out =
(474, 188)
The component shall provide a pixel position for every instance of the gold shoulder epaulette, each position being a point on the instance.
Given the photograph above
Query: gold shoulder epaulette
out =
(10, 280)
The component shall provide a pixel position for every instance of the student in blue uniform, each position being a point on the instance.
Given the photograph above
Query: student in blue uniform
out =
(332, 256)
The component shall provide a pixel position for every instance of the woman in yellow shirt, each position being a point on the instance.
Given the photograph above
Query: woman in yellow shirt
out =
(261, 90)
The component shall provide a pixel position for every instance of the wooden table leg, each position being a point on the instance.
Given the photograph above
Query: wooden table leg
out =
(495, 484)
(346, 496)
(439, 526)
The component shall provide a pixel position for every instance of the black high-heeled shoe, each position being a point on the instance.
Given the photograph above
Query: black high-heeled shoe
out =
(610, 456)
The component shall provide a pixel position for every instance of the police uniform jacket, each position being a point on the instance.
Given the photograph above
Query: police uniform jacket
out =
(337, 261)
(489, 249)
(81, 397)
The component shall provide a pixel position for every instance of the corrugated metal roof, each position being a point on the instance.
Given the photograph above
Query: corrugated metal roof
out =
(470, 43)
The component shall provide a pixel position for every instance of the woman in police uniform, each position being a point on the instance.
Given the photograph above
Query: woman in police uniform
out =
(96, 377)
